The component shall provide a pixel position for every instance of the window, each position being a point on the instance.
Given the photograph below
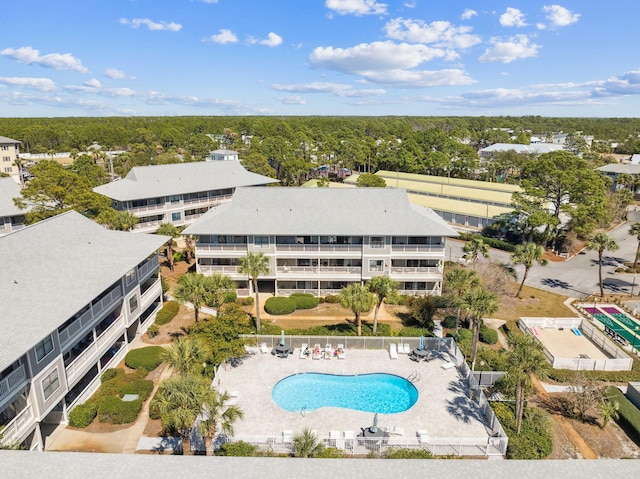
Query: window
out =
(376, 265)
(133, 303)
(50, 384)
(377, 241)
(6, 158)
(174, 199)
(130, 276)
(261, 241)
(7, 169)
(5, 147)
(177, 216)
(43, 348)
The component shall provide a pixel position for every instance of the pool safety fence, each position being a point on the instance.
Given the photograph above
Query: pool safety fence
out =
(617, 361)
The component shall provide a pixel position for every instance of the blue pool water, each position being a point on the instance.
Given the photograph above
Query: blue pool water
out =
(381, 393)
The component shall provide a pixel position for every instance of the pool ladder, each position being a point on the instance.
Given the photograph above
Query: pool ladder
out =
(414, 377)
(303, 411)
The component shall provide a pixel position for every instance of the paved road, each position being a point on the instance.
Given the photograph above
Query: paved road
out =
(578, 277)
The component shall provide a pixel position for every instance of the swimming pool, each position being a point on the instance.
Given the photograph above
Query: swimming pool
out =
(381, 393)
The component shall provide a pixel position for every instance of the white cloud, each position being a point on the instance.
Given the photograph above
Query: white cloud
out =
(512, 17)
(57, 61)
(420, 78)
(272, 40)
(440, 33)
(410, 4)
(516, 48)
(116, 74)
(93, 83)
(151, 25)
(291, 100)
(209, 1)
(337, 89)
(468, 13)
(42, 84)
(225, 36)
(357, 7)
(560, 16)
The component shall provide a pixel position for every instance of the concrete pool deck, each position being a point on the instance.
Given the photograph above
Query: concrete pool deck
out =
(443, 408)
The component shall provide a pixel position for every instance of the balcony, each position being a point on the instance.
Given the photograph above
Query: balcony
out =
(417, 248)
(319, 248)
(13, 379)
(72, 331)
(18, 426)
(416, 271)
(240, 247)
(149, 225)
(150, 265)
(213, 268)
(209, 201)
(150, 295)
(94, 350)
(315, 270)
(106, 302)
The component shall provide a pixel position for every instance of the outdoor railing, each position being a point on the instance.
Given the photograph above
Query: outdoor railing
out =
(209, 268)
(106, 302)
(339, 248)
(148, 224)
(149, 265)
(74, 330)
(18, 426)
(221, 247)
(416, 270)
(320, 269)
(140, 209)
(12, 380)
(417, 248)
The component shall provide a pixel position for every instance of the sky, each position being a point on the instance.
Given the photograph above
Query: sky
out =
(576, 58)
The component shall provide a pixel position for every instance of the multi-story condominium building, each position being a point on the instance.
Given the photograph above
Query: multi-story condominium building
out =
(11, 217)
(320, 239)
(178, 193)
(9, 152)
(73, 296)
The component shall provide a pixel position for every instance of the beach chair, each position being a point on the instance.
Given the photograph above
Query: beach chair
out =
(263, 348)
(317, 352)
(304, 351)
(348, 440)
(448, 365)
(340, 351)
(400, 348)
(395, 431)
(407, 348)
(423, 438)
(393, 351)
(328, 351)
(287, 436)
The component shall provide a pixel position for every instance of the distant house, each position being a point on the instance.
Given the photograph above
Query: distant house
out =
(535, 149)
(319, 240)
(178, 193)
(9, 153)
(67, 316)
(221, 155)
(613, 170)
(11, 217)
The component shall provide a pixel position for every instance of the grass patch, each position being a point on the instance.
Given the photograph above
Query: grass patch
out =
(147, 358)
(534, 302)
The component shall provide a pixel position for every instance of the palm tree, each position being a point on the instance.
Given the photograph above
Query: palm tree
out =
(167, 229)
(601, 242)
(526, 255)
(382, 287)
(609, 409)
(254, 265)
(188, 248)
(218, 413)
(192, 288)
(524, 358)
(478, 302)
(358, 299)
(457, 281)
(624, 180)
(181, 399)
(218, 285)
(474, 248)
(306, 444)
(186, 355)
(125, 220)
(635, 231)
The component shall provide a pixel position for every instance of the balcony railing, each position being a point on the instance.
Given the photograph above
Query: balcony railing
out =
(221, 247)
(417, 248)
(212, 268)
(72, 331)
(209, 201)
(107, 301)
(417, 292)
(95, 349)
(148, 224)
(149, 265)
(18, 426)
(140, 209)
(416, 270)
(150, 295)
(12, 380)
(324, 248)
(320, 269)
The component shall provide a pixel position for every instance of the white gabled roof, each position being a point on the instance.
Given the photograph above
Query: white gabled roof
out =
(4, 140)
(621, 168)
(537, 148)
(181, 178)
(9, 190)
(52, 269)
(321, 211)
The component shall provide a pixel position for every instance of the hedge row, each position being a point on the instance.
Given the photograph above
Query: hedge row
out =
(167, 313)
(279, 305)
(629, 415)
(82, 415)
(114, 410)
(569, 375)
(492, 242)
(304, 300)
(488, 335)
(147, 358)
(413, 332)
(342, 329)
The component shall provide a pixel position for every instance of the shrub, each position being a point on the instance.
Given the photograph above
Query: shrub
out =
(153, 331)
(83, 414)
(167, 313)
(141, 387)
(279, 306)
(488, 335)
(147, 358)
(449, 322)
(332, 298)
(230, 297)
(178, 256)
(492, 242)
(413, 332)
(154, 413)
(109, 374)
(511, 327)
(304, 301)
(164, 284)
(401, 453)
(535, 440)
(240, 448)
(629, 415)
(330, 453)
(248, 301)
(116, 411)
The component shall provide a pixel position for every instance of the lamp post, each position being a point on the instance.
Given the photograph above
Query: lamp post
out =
(633, 285)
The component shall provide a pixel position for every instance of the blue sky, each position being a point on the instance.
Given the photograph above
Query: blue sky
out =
(319, 57)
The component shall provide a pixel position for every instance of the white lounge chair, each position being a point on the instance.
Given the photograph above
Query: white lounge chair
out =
(304, 351)
(400, 348)
(287, 436)
(340, 351)
(328, 351)
(448, 365)
(407, 348)
(317, 352)
(423, 437)
(393, 351)
(395, 431)
(264, 349)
